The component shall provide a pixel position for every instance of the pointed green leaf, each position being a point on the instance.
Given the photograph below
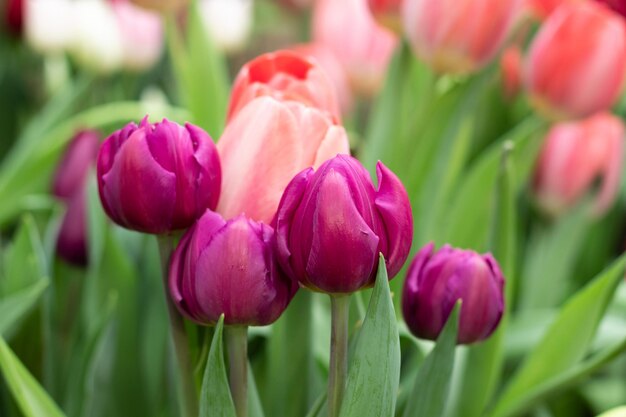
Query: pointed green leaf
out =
(215, 398)
(15, 306)
(320, 406)
(30, 397)
(432, 383)
(568, 338)
(374, 370)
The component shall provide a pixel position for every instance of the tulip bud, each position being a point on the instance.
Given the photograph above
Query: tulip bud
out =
(228, 22)
(387, 13)
(436, 281)
(264, 146)
(573, 157)
(325, 57)
(618, 6)
(458, 36)
(14, 15)
(363, 47)
(49, 24)
(577, 62)
(228, 268)
(511, 68)
(157, 178)
(70, 182)
(142, 35)
(332, 224)
(286, 76)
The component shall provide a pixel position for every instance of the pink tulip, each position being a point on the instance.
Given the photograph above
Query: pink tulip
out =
(364, 48)
(511, 68)
(142, 34)
(577, 62)
(286, 76)
(573, 157)
(387, 13)
(458, 36)
(544, 8)
(333, 68)
(264, 146)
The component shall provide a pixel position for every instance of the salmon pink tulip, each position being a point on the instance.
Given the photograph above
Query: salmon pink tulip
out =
(577, 62)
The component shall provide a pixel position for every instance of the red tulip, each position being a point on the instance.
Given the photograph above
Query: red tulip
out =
(286, 76)
(544, 8)
(574, 156)
(511, 67)
(264, 146)
(387, 13)
(577, 62)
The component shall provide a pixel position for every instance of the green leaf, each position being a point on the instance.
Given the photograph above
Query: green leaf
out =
(483, 362)
(473, 196)
(15, 306)
(255, 409)
(320, 406)
(201, 71)
(291, 342)
(374, 373)
(432, 383)
(567, 340)
(30, 397)
(215, 398)
(562, 240)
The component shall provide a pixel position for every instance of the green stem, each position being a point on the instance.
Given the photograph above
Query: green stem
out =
(338, 372)
(187, 394)
(237, 343)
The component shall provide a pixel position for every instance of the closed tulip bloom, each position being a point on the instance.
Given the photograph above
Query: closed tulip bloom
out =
(228, 22)
(437, 280)
(387, 13)
(49, 25)
(574, 156)
(458, 36)
(286, 76)
(228, 267)
(332, 224)
(511, 69)
(264, 146)
(158, 178)
(142, 35)
(577, 62)
(70, 185)
(362, 46)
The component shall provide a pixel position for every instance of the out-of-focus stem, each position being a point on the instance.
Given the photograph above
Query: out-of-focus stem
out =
(187, 394)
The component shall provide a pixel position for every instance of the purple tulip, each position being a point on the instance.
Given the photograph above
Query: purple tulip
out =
(157, 178)
(436, 281)
(332, 224)
(229, 267)
(70, 183)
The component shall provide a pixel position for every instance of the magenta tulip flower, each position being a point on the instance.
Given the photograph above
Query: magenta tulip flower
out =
(436, 280)
(158, 178)
(229, 267)
(332, 224)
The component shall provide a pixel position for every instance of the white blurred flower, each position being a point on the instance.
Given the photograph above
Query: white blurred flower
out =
(228, 22)
(97, 42)
(49, 25)
(142, 35)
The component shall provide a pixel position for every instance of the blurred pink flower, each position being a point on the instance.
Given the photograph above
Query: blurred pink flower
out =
(577, 61)
(458, 36)
(573, 157)
(511, 68)
(387, 13)
(364, 48)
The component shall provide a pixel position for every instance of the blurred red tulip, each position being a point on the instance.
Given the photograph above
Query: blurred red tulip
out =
(387, 13)
(543, 8)
(618, 5)
(573, 157)
(511, 68)
(14, 15)
(577, 62)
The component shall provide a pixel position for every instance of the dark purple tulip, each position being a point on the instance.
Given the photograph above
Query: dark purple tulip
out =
(157, 178)
(70, 182)
(14, 15)
(229, 267)
(332, 224)
(435, 282)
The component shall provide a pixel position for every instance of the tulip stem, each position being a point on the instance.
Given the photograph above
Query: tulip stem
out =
(187, 394)
(338, 372)
(237, 345)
